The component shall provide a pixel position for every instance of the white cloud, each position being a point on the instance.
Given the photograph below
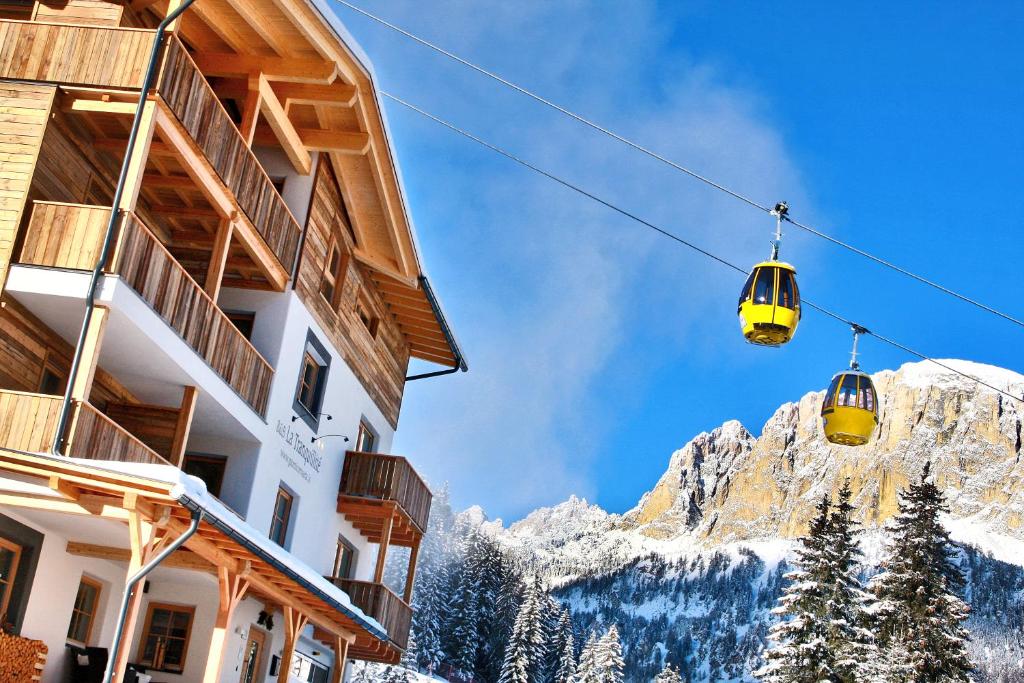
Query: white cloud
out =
(546, 289)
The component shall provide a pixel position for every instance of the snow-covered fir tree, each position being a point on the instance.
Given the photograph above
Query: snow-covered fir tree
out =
(525, 654)
(565, 670)
(587, 670)
(669, 674)
(608, 657)
(920, 617)
(559, 631)
(821, 636)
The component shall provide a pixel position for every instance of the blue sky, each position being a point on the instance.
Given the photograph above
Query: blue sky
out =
(597, 348)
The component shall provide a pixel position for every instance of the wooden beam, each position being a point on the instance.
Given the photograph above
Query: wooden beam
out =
(220, 197)
(340, 647)
(382, 550)
(294, 623)
(256, 19)
(81, 383)
(184, 211)
(183, 425)
(144, 539)
(93, 106)
(410, 574)
(273, 68)
(336, 94)
(341, 142)
(138, 155)
(232, 588)
(178, 560)
(222, 24)
(169, 182)
(219, 257)
(250, 113)
(282, 126)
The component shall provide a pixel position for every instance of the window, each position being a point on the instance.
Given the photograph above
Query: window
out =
(333, 278)
(209, 468)
(244, 321)
(344, 560)
(747, 286)
(366, 440)
(307, 670)
(51, 381)
(787, 289)
(282, 515)
(312, 381)
(165, 639)
(369, 320)
(10, 556)
(830, 395)
(848, 392)
(309, 383)
(764, 289)
(278, 184)
(83, 614)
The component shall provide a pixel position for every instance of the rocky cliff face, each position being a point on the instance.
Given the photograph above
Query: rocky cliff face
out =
(727, 485)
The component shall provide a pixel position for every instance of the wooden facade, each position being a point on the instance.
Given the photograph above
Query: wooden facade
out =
(379, 358)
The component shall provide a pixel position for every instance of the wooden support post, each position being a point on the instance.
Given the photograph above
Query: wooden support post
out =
(184, 424)
(81, 383)
(294, 622)
(219, 258)
(340, 655)
(233, 587)
(251, 110)
(145, 540)
(382, 549)
(410, 574)
(139, 153)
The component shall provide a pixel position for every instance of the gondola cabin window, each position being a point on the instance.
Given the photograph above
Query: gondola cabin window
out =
(764, 288)
(83, 614)
(164, 645)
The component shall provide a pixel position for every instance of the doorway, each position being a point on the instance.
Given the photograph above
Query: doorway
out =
(253, 655)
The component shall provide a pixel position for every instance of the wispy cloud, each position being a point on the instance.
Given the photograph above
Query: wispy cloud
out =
(549, 291)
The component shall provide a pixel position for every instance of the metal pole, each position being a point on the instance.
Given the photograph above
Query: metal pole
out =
(108, 239)
(197, 517)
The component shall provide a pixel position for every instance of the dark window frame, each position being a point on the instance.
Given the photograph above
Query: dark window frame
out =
(339, 550)
(280, 526)
(366, 430)
(220, 460)
(311, 414)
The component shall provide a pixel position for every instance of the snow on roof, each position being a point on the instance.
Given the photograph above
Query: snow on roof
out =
(191, 492)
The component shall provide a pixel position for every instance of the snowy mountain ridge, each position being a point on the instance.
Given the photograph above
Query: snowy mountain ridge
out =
(726, 486)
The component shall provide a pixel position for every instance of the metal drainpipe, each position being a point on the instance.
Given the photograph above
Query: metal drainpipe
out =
(460, 361)
(197, 517)
(108, 239)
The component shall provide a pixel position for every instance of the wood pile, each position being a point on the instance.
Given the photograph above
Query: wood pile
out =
(21, 659)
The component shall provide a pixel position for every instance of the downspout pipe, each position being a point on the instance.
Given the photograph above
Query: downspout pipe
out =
(453, 344)
(129, 589)
(108, 238)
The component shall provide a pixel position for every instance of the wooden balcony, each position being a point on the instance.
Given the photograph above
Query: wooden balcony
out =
(378, 602)
(375, 488)
(28, 423)
(117, 58)
(71, 236)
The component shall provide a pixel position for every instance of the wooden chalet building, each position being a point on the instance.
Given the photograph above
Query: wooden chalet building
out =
(241, 359)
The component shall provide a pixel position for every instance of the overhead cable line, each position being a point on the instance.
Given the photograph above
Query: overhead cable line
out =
(676, 238)
(679, 167)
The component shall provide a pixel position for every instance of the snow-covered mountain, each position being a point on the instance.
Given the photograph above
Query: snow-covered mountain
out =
(693, 569)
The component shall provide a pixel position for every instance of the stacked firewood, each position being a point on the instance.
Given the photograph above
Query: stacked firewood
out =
(21, 659)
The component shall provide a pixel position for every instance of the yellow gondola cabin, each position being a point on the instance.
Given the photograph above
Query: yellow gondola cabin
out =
(849, 411)
(769, 305)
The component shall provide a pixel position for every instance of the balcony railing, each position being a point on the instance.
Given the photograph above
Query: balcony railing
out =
(378, 602)
(28, 423)
(71, 235)
(386, 478)
(117, 58)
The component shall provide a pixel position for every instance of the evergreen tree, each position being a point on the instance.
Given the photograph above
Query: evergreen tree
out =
(798, 651)
(919, 612)
(587, 670)
(524, 656)
(669, 674)
(559, 630)
(565, 671)
(608, 657)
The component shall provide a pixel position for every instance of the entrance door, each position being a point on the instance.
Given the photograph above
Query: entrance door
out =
(253, 654)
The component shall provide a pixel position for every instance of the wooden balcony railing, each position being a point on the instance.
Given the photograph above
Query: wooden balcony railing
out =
(387, 478)
(189, 95)
(74, 54)
(71, 235)
(117, 58)
(378, 602)
(28, 423)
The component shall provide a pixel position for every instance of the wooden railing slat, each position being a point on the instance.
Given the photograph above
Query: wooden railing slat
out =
(387, 478)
